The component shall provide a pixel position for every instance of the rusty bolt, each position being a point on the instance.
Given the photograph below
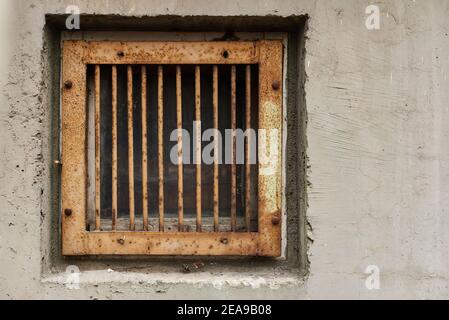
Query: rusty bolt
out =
(121, 241)
(276, 221)
(276, 85)
(68, 212)
(224, 240)
(121, 54)
(68, 84)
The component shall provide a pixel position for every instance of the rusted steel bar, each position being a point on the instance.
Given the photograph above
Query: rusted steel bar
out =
(161, 148)
(199, 211)
(270, 115)
(144, 149)
(247, 152)
(97, 150)
(163, 52)
(132, 225)
(180, 151)
(234, 149)
(114, 150)
(216, 153)
(188, 244)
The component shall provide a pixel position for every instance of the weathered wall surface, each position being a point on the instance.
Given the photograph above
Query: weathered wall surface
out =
(377, 106)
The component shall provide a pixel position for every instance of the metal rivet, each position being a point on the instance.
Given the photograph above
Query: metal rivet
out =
(121, 241)
(276, 85)
(121, 54)
(68, 84)
(275, 221)
(68, 212)
(224, 241)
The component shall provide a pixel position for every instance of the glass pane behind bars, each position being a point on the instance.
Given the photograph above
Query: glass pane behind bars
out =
(170, 169)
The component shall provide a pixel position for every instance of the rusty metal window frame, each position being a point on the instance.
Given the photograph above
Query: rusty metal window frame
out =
(76, 240)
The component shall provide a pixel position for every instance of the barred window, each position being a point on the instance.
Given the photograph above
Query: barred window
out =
(172, 148)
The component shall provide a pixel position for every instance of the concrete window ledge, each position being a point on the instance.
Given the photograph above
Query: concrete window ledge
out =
(198, 280)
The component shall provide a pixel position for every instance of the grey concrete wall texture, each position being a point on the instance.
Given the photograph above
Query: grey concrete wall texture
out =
(378, 159)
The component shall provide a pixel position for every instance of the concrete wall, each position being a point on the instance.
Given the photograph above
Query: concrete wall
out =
(378, 157)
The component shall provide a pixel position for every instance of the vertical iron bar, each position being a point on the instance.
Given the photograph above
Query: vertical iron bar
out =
(234, 151)
(132, 225)
(247, 152)
(161, 148)
(216, 152)
(180, 151)
(144, 149)
(114, 150)
(198, 148)
(97, 150)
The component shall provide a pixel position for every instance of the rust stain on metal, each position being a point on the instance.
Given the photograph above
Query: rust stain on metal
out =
(132, 209)
(114, 150)
(198, 157)
(180, 151)
(234, 149)
(247, 151)
(144, 149)
(216, 153)
(161, 148)
(74, 171)
(231, 52)
(270, 118)
(97, 150)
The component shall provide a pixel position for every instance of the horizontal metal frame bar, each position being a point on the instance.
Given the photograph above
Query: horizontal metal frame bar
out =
(169, 244)
(107, 52)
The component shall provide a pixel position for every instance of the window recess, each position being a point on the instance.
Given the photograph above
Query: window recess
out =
(133, 185)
